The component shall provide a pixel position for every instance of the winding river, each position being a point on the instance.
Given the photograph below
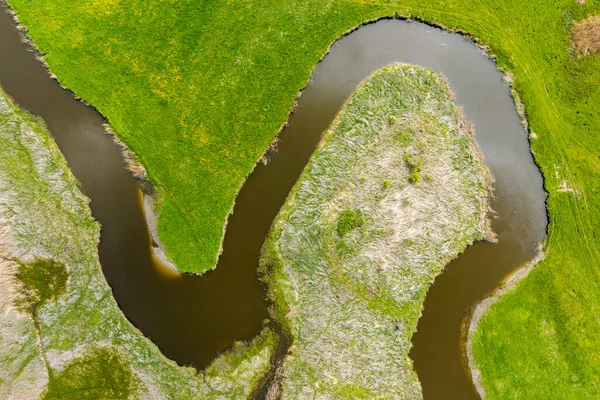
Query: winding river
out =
(192, 319)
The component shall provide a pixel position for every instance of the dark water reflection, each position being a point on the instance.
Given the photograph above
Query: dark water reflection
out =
(192, 319)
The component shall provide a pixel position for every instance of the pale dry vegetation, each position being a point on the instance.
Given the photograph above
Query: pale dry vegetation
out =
(62, 334)
(359, 240)
(586, 35)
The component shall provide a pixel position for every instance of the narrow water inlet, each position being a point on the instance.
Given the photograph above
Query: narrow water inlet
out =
(192, 319)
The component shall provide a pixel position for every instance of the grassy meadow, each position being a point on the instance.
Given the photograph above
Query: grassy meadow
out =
(361, 237)
(62, 334)
(199, 89)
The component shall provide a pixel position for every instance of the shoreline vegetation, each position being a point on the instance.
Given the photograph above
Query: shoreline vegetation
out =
(63, 334)
(101, 56)
(395, 190)
(484, 306)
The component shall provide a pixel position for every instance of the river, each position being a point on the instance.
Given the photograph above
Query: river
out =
(192, 319)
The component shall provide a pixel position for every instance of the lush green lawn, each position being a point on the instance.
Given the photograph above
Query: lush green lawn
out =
(198, 89)
(359, 240)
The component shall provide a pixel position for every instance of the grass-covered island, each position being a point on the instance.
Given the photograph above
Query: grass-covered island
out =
(62, 335)
(395, 191)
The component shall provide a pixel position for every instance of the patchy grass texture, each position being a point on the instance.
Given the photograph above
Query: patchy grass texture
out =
(98, 373)
(62, 335)
(42, 281)
(349, 258)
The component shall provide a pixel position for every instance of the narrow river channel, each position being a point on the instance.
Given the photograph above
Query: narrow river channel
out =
(192, 319)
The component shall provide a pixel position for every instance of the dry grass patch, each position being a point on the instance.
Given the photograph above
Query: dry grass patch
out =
(586, 35)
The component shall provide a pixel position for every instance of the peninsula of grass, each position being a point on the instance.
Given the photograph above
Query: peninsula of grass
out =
(199, 89)
(62, 334)
(349, 259)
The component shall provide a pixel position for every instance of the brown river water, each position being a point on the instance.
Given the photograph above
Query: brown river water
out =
(193, 319)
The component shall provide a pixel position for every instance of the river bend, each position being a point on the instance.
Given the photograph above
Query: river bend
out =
(192, 319)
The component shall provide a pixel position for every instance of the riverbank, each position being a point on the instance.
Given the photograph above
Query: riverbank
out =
(62, 329)
(150, 199)
(396, 189)
(484, 307)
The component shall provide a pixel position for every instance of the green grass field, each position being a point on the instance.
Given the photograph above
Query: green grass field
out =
(359, 240)
(198, 90)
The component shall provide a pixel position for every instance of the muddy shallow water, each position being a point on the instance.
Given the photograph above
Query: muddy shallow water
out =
(192, 319)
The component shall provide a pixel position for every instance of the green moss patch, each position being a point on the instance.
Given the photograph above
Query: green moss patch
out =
(42, 281)
(349, 220)
(415, 166)
(98, 373)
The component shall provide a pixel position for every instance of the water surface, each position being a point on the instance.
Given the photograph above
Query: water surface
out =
(192, 319)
